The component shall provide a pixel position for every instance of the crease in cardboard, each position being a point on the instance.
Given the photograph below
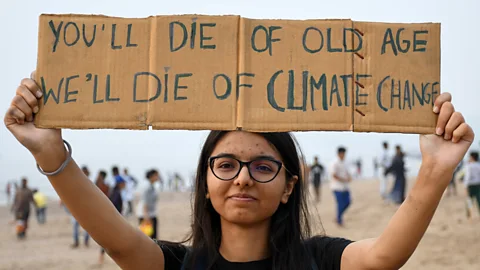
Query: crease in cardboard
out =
(352, 91)
(152, 57)
(240, 68)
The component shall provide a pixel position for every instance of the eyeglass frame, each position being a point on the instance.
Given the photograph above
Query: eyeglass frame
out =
(211, 160)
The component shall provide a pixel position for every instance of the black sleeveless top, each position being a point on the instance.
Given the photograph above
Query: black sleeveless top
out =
(326, 251)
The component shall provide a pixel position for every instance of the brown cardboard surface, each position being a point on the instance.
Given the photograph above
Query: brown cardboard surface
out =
(195, 107)
(293, 72)
(412, 65)
(80, 66)
(212, 72)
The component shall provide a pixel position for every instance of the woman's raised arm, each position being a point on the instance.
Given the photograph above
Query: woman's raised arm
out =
(128, 246)
(441, 153)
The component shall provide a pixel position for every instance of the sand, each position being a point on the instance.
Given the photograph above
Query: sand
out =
(451, 242)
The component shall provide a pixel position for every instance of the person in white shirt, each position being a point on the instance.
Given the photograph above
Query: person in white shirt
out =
(147, 206)
(472, 178)
(339, 183)
(385, 163)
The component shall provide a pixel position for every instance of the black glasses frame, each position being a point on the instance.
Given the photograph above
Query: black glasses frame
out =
(211, 160)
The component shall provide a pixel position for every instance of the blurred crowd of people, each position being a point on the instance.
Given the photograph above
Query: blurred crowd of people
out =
(391, 169)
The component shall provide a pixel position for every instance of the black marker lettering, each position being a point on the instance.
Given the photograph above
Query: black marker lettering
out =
(56, 33)
(177, 86)
(129, 36)
(114, 30)
(68, 93)
(77, 34)
(271, 92)
(203, 38)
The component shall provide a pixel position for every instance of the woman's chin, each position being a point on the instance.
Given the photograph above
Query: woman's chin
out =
(243, 217)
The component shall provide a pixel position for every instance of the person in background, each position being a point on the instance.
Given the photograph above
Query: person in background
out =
(21, 208)
(358, 164)
(8, 192)
(397, 168)
(452, 187)
(130, 184)
(116, 175)
(340, 179)
(41, 206)
(316, 171)
(385, 163)
(178, 182)
(472, 178)
(147, 206)
(115, 197)
(76, 225)
(101, 184)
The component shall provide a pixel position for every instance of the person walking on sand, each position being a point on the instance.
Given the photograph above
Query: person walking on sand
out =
(41, 206)
(316, 172)
(340, 179)
(147, 206)
(385, 162)
(249, 205)
(8, 192)
(21, 208)
(397, 168)
(472, 178)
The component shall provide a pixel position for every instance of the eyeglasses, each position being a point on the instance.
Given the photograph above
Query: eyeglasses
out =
(263, 169)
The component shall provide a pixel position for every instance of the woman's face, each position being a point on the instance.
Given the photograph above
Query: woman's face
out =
(242, 200)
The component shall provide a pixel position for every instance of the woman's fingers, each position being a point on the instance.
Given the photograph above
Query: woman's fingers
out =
(27, 95)
(16, 114)
(446, 111)
(456, 119)
(440, 100)
(462, 131)
(32, 86)
(20, 103)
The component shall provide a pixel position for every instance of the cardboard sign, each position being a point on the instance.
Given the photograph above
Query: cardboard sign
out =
(198, 72)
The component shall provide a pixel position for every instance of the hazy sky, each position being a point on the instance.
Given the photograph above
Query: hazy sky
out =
(178, 150)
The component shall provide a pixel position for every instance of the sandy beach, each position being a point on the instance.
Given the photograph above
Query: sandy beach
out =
(451, 242)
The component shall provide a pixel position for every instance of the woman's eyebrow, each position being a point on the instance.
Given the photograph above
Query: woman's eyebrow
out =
(261, 156)
(264, 157)
(223, 154)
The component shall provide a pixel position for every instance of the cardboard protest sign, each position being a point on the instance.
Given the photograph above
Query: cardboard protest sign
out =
(398, 77)
(226, 72)
(307, 87)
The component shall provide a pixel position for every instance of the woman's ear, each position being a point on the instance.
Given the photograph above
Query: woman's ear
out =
(289, 189)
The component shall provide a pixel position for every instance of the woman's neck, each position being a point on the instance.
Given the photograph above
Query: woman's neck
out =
(243, 244)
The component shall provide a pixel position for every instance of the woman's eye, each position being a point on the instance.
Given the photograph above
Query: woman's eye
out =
(263, 168)
(225, 166)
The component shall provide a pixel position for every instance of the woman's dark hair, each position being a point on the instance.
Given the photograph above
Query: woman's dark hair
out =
(289, 224)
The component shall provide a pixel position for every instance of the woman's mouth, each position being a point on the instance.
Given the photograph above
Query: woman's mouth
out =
(242, 197)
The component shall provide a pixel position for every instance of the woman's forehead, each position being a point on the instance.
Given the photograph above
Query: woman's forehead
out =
(245, 145)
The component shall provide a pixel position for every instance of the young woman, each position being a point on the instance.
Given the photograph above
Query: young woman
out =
(249, 209)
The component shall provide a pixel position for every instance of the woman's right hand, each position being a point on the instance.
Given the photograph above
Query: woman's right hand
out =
(19, 121)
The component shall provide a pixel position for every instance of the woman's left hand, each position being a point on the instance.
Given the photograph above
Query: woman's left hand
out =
(445, 149)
